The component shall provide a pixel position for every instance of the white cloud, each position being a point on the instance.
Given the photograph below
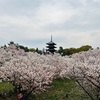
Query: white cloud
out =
(71, 22)
(53, 14)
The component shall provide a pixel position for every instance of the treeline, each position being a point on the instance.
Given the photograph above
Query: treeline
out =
(26, 49)
(61, 50)
(70, 51)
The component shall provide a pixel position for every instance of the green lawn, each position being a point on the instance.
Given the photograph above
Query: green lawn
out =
(62, 89)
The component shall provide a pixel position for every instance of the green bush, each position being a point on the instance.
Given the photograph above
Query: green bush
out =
(5, 87)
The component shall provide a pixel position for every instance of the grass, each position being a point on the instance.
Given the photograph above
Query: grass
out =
(62, 89)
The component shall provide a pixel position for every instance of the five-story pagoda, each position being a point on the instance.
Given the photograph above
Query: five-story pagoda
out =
(51, 46)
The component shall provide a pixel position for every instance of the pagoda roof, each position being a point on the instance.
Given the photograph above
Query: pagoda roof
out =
(51, 43)
(51, 46)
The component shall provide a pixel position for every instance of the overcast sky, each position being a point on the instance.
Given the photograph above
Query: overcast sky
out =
(72, 23)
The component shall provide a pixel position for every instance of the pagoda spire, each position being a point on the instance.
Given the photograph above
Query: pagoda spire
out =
(51, 38)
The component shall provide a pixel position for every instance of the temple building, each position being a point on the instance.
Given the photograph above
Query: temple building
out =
(51, 46)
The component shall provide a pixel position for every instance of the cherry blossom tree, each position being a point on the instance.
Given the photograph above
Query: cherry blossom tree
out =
(29, 71)
(86, 71)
